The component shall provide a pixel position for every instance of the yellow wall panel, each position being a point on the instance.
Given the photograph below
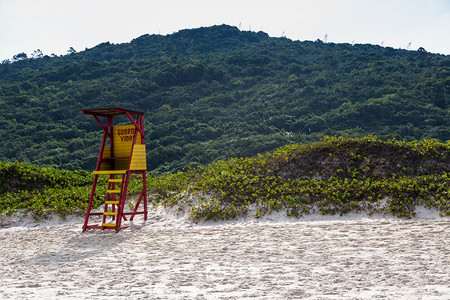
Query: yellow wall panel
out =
(106, 165)
(122, 141)
(139, 159)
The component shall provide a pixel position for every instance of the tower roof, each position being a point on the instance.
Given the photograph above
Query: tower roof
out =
(110, 111)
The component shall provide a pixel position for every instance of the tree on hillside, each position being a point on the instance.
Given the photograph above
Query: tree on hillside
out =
(71, 50)
(37, 54)
(20, 56)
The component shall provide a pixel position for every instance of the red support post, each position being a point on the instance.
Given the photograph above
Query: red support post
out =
(91, 198)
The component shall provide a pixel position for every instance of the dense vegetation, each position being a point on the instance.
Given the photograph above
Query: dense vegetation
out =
(217, 92)
(44, 191)
(334, 176)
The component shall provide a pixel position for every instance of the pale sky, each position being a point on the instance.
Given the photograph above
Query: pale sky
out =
(55, 25)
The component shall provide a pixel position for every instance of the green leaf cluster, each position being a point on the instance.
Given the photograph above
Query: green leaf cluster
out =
(43, 191)
(335, 176)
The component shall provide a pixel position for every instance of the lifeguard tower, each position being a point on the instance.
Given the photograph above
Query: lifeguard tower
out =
(122, 153)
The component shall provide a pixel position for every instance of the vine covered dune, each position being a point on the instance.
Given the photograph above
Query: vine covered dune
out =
(334, 176)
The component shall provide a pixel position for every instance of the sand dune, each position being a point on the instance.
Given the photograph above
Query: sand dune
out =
(168, 257)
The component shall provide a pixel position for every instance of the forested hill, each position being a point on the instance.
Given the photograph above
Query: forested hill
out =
(218, 92)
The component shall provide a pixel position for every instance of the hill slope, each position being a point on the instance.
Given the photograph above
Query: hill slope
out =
(217, 92)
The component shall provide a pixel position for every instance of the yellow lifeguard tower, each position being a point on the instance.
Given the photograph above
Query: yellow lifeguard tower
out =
(122, 153)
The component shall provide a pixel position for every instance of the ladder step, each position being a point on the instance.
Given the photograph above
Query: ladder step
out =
(109, 224)
(109, 172)
(111, 202)
(110, 213)
(113, 191)
(115, 180)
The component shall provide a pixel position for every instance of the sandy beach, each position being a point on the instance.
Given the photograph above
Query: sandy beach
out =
(169, 257)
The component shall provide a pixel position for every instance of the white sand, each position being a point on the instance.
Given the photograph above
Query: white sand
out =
(354, 257)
